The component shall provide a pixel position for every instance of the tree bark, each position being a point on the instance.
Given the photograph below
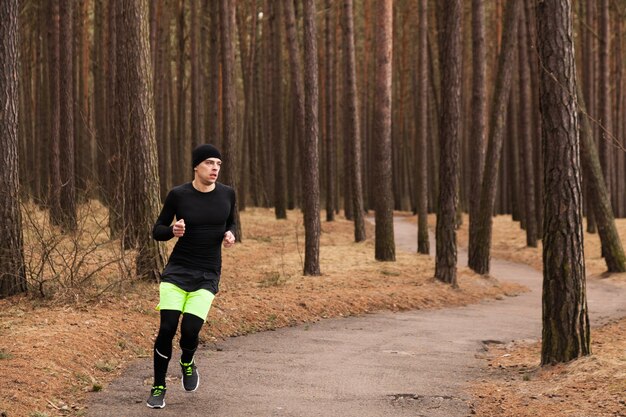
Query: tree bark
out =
(295, 68)
(565, 319)
(229, 133)
(12, 266)
(214, 125)
(385, 248)
(310, 170)
(329, 127)
(276, 115)
(526, 140)
(54, 198)
(138, 126)
(66, 125)
(450, 126)
(604, 93)
(480, 247)
(421, 160)
(479, 111)
(353, 124)
(603, 212)
(197, 116)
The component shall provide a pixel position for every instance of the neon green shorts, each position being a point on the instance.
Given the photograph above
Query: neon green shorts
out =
(197, 303)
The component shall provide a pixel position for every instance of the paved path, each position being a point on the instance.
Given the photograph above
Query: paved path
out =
(385, 364)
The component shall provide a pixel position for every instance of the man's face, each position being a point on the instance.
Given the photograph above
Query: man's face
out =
(208, 170)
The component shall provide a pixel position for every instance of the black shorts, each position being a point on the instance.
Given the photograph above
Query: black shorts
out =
(191, 280)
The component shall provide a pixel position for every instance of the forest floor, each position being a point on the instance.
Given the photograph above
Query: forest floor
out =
(56, 350)
(517, 385)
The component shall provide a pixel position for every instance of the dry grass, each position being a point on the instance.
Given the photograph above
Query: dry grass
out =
(54, 350)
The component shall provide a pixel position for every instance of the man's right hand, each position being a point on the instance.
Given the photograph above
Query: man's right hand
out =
(179, 228)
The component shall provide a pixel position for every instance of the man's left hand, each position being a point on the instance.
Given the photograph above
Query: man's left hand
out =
(229, 239)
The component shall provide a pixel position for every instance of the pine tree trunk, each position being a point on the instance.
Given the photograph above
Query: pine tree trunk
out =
(329, 137)
(604, 93)
(478, 108)
(229, 143)
(589, 88)
(565, 318)
(534, 80)
(421, 160)
(611, 244)
(43, 111)
(138, 126)
(450, 126)
(353, 124)
(385, 249)
(310, 170)
(197, 117)
(526, 141)
(480, 247)
(12, 266)
(183, 142)
(276, 122)
(66, 126)
(99, 95)
(214, 122)
(54, 198)
(295, 68)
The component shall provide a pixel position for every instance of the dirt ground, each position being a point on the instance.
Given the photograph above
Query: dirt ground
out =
(54, 351)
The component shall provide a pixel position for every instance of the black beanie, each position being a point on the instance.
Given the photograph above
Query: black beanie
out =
(203, 152)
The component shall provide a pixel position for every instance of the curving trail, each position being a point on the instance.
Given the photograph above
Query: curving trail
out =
(384, 364)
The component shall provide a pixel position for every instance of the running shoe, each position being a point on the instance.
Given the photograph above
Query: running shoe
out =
(191, 378)
(157, 397)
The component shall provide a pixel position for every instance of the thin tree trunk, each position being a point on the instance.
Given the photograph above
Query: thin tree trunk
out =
(54, 198)
(589, 87)
(534, 79)
(12, 266)
(353, 124)
(385, 248)
(229, 148)
(295, 68)
(526, 142)
(329, 126)
(565, 320)
(183, 150)
(604, 92)
(421, 160)
(213, 126)
(197, 116)
(66, 126)
(480, 247)
(479, 111)
(276, 115)
(611, 243)
(310, 170)
(450, 126)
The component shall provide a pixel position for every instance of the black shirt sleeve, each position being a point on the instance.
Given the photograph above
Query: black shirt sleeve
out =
(162, 229)
(230, 222)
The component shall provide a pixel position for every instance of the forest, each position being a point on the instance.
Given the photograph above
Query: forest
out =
(451, 112)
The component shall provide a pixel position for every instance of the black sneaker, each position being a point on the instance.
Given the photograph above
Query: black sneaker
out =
(191, 378)
(157, 397)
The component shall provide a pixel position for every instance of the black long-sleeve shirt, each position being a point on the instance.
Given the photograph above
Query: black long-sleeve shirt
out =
(207, 217)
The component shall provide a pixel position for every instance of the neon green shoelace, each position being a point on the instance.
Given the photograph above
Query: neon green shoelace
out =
(188, 369)
(156, 391)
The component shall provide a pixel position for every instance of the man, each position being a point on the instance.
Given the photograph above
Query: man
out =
(205, 214)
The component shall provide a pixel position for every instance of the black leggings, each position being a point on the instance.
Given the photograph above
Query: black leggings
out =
(189, 331)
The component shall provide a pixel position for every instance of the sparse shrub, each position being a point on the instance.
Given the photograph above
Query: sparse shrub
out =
(74, 265)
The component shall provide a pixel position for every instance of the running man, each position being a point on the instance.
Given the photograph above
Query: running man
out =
(205, 214)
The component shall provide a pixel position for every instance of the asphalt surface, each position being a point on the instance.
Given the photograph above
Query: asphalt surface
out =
(386, 364)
